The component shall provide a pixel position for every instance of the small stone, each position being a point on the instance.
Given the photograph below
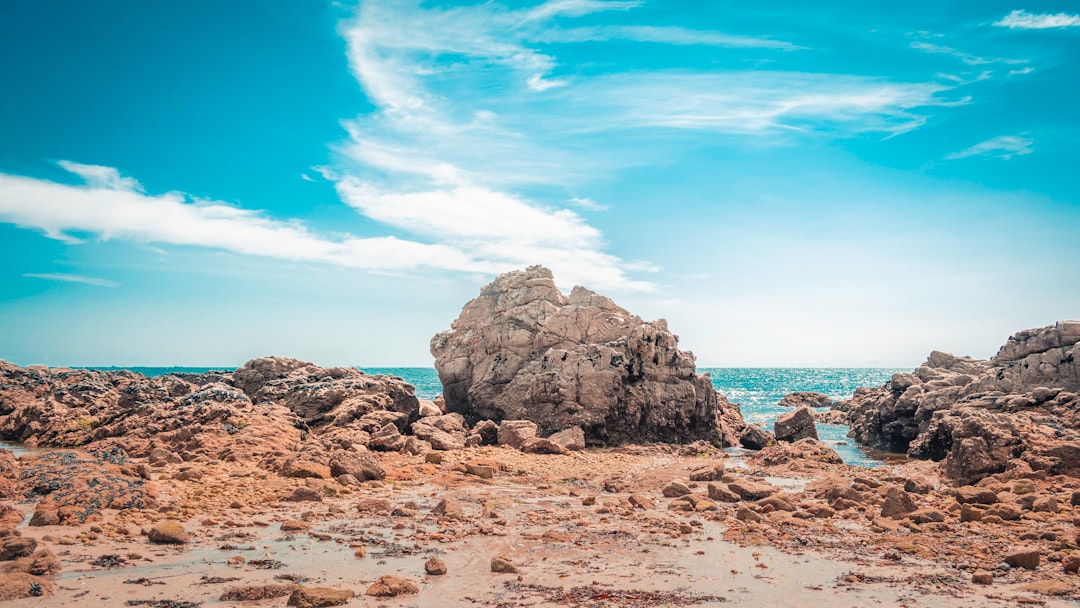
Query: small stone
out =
(982, 577)
(1027, 557)
(435, 566)
(360, 552)
(319, 597)
(641, 502)
(502, 564)
(391, 586)
(482, 471)
(168, 533)
(292, 525)
(675, 489)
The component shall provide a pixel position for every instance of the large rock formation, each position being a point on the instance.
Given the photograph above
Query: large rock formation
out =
(1020, 408)
(523, 350)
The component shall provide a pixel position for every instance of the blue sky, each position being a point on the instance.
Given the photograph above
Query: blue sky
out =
(843, 184)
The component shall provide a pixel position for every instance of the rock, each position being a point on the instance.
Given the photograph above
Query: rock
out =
(805, 399)
(503, 565)
(387, 438)
(572, 438)
(251, 593)
(897, 503)
(1007, 512)
(303, 494)
(362, 466)
(524, 351)
(20, 585)
(318, 597)
(488, 431)
(14, 547)
(975, 495)
(292, 525)
(675, 489)
(711, 472)
(449, 507)
(982, 577)
(483, 471)
(751, 490)
(796, 425)
(970, 513)
(753, 437)
(1071, 563)
(1025, 557)
(719, 491)
(516, 432)
(806, 449)
(641, 502)
(374, 505)
(444, 433)
(435, 566)
(391, 586)
(45, 517)
(538, 445)
(978, 416)
(168, 533)
(744, 513)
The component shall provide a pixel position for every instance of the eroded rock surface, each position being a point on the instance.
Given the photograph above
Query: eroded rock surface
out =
(524, 351)
(1019, 409)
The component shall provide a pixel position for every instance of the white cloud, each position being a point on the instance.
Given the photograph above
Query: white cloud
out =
(1003, 147)
(1021, 72)
(97, 176)
(1023, 20)
(577, 8)
(102, 209)
(967, 58)
(71, 278)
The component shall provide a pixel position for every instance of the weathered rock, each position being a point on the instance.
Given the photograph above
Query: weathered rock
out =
(319, 597)
(168, 533)
(805, 399)
(1026, 557)
(516, 432)
(751, 490)
(572, 438)
(796, 425)
(484, 471)
(362, 466)
(20, 585)
(897, 502)
(45, 517)
(978, 416)
(982, 577)
(719, 491)
(13, 547)
(753, 437)
(435, 566)
(975, 495)
(251, 593)
(675, 489)
(391, 586)
(449, 507)
(711, 472)
(540, 445)
(488, 432)
(524, 351)
(503, 564)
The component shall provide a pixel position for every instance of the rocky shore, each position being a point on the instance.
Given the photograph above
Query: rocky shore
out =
(578, 460)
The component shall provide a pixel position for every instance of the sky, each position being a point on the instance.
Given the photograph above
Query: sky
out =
(789, 184)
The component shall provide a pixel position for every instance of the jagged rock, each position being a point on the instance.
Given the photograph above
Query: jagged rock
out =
(753, 437)
(897, 502)
(252, 593)
(488, 432)
(796, 425)
(319, 597)
(524, 351)
(805, 399)
(978, 416)
(540, 445)
(711, 472)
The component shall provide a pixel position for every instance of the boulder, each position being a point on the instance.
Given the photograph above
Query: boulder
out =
(572, 438)
(503, 564)
(796, 425)
(168, 533)
(524, 351)
(1024, 557)
(753, 437)
(435, 566)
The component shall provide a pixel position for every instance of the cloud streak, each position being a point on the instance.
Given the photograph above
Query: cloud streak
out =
(1023, 20)
(1003, 147)
(71, 278)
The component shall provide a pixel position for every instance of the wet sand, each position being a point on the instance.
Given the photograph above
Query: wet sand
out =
(610, 553)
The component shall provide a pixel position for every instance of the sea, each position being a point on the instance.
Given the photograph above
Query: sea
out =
(756, 389)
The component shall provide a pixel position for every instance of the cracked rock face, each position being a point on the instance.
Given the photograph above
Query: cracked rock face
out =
(981, 417)
(524, 351)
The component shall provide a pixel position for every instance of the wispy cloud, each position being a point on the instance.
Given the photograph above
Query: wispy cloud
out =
(662, 35)
(588, 204)
(1003, 147)
(967, 58)
(71, 278)
(1023, 20)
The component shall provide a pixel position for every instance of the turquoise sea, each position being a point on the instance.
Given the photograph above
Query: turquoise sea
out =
(756, 390)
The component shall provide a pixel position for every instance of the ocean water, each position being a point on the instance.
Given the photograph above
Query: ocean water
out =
(756, 390)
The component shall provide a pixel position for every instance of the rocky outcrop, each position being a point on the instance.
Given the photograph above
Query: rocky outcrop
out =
(523, 350)
(283, 414)
(980, 417)
(805, 399)
(796, 425)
